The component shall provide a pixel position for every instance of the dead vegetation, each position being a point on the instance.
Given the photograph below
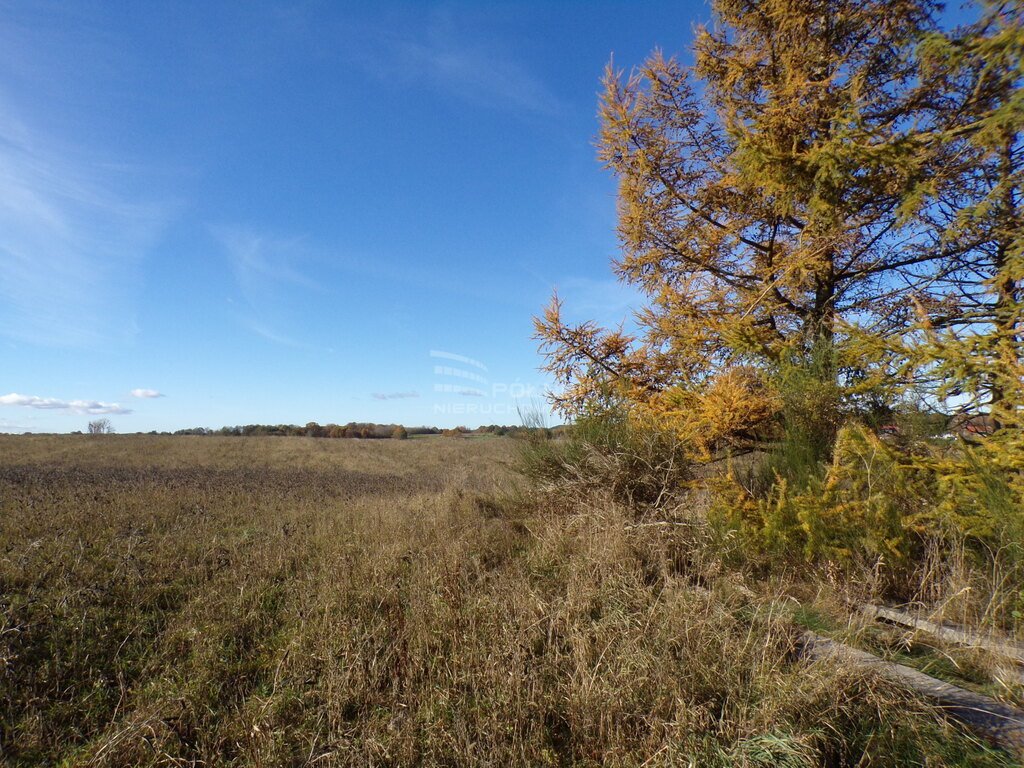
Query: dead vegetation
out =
(191, 601)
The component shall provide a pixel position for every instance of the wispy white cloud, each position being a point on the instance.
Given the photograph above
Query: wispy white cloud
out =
(70, 242)
(466, 65)
(258, 327)
(261, 263)
(7, 426)
(146, 393)
(92, 407)
(394, 395)
(267, 272)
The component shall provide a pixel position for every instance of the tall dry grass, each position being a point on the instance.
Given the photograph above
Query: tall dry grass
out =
(195, 601)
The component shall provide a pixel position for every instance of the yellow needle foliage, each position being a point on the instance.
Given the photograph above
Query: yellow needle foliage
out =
(760, 196)
(833, 187)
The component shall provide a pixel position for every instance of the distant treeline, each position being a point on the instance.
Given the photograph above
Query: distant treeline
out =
(357, 430)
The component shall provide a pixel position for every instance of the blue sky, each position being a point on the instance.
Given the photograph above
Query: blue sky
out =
(281, 213)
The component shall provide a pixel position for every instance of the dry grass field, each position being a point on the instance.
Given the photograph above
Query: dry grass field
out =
(291, 601)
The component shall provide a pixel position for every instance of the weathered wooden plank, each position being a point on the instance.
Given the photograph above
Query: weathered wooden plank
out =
(999, 723)
(949, 633)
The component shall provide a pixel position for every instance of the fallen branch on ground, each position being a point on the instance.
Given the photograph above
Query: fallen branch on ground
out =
(948, 632)
(999, 723)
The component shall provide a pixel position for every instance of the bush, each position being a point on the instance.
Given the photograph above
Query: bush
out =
(609, 453)
(810, 416)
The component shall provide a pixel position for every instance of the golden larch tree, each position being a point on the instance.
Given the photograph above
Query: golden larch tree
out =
(763, 214)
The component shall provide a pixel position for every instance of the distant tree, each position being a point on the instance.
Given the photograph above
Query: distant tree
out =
(399, 433)
(101, 427)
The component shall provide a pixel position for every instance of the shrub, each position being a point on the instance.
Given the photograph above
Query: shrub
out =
(610, 453)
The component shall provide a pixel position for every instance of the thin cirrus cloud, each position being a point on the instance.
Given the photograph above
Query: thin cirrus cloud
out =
(73, 229)
(269, 273)
(261, 263)
(146, 393)
(458, 63)
(394, 395)
(7, 426)
(91, 407)
(70, 244)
